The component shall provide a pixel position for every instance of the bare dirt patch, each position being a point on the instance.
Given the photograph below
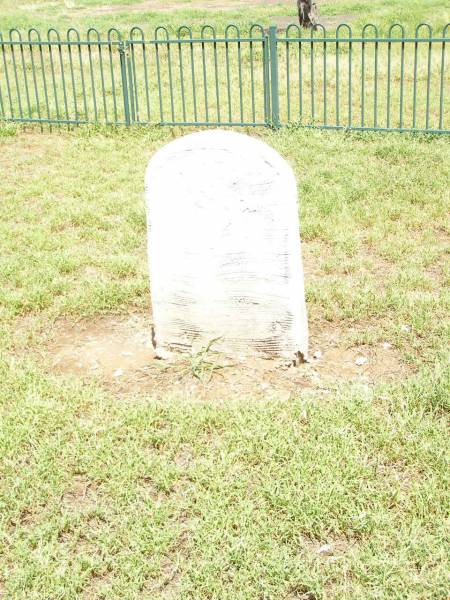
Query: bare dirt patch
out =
(169, 582)
(117, 352)
(80, 496)
(109, 347)
(98, 586)
(27, 518)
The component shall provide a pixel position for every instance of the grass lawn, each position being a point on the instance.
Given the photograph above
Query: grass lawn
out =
(329, 481)
(212, 493)
(151, 13)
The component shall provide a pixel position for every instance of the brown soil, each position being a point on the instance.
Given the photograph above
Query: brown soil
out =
(117, 353)
(98, 587)
(81, 496)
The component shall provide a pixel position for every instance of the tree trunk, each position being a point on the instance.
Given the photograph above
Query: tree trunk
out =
(307, 13)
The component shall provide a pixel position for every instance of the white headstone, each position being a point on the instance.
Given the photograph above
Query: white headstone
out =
(224, 248)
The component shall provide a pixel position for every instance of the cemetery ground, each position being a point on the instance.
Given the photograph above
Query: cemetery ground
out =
(124, 477)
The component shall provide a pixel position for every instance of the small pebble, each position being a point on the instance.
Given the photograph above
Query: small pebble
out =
(118, 372)
(361, 360)
(326, 549)
(317, 354)
(405, 328)
(387, 345)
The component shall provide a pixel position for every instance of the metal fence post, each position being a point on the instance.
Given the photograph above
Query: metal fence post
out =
(274, 92)
(266, 76)
(124, 77)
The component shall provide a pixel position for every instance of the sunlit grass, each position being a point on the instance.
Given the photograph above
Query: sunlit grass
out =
(102, 497)
(83, 14)
(143, 496)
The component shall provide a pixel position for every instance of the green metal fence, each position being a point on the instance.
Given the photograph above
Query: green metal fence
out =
(339, 81)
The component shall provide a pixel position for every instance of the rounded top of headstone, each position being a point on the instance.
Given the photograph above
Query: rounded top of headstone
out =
(222, 156)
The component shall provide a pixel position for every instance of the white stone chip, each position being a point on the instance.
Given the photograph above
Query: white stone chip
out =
(224, 248)
(326, 549)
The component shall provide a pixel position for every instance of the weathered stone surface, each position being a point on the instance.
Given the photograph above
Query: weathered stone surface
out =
(224, 247)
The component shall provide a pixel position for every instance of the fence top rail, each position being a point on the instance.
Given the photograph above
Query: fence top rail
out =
(364, 40)
(130, 42)
(232, 33)
(133, 42)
